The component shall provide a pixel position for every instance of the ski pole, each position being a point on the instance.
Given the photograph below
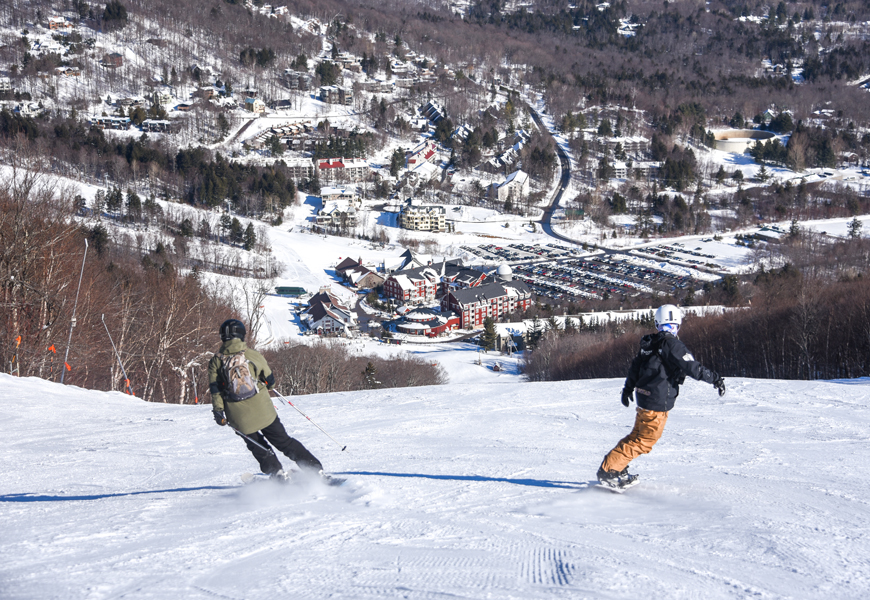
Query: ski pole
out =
(309, 418)
(239, 433)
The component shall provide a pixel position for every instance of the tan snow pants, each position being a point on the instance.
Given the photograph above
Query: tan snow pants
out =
(648, 428)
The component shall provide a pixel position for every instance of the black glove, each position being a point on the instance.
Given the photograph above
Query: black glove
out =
(627, 396)
(219, 417)
(719, 384)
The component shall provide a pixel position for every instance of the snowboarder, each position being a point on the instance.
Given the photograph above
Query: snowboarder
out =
(656, 374)
(239, 381)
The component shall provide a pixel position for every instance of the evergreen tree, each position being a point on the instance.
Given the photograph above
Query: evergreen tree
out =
(250, 237)
(570, 326)
(534, 333)
(487, 339)
(553, 324)
(114, 200)
(134, 206)
(226, 223)
(236, 231)
(370, 380)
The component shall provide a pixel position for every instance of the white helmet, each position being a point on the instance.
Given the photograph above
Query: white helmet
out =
(668, 314)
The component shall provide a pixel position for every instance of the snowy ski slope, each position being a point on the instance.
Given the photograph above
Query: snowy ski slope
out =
(471, 490)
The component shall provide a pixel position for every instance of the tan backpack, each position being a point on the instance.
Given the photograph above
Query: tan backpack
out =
(239, 383)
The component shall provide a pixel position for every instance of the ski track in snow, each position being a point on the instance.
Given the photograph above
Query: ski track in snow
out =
(468, 490)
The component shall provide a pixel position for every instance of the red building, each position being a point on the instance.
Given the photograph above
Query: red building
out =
(425, 321)
(493, 300)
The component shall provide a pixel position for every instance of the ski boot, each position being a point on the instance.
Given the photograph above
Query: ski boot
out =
(617, 480)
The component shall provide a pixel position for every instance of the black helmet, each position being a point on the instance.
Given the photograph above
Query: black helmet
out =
(232, 328)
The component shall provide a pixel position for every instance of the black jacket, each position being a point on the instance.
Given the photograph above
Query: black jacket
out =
(659, 368)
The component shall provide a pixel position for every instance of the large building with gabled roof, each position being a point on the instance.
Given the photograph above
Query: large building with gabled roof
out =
(493, 300)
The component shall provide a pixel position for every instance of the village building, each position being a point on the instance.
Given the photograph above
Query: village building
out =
(433, 112)
(357, 275)
(416, 217)
(59, 24)
(163, 96)
(255, 105)
(337, 213)
(157, 125)
(515, 187)
(407, 260)
(494, 300)
(122, 123)
(427, 322)
(335, 94)
(413, 285)
(327, 315)
(300, 168)
(5, 85)
(425, 152)
(340, 194)
(342, 169)
(113, 60)
(297, 80)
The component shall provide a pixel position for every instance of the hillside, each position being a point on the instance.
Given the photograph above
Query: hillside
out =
(468, 490)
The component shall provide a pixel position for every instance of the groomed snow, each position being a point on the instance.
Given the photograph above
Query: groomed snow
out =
(468, 490)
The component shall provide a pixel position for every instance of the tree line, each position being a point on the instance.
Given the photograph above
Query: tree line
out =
(809, 319)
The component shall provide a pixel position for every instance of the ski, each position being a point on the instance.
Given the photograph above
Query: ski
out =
(291, 477)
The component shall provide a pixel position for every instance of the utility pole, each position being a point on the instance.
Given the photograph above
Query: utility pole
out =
(72, 323)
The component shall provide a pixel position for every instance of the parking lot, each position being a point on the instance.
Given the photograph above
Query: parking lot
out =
(598, 277)
(518, 252)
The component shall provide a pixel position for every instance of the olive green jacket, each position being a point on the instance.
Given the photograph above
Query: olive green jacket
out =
(255, 413)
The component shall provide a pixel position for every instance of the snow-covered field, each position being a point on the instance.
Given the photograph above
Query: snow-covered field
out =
(470, 490)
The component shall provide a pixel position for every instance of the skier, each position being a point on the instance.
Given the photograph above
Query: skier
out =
(655, 374)
(239, 381)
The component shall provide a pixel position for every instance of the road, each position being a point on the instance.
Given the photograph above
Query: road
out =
(564, 180)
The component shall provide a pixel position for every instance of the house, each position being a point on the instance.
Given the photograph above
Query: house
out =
(340, 194)
(113, 60)
(493, 300)
(416, 217)
(425, 152)
(296, 80)
(515, 187)
(28, 109)
(59, 24)
(337, 214)
(423, 173)
(254, 105)
(433, 112)
(413, 285)
(121, 123)
(334, 94)
(341, 169)
(157, 126)
(5, 85)
(161, 97)
(407, 260)
(327, 315)
(358, 275)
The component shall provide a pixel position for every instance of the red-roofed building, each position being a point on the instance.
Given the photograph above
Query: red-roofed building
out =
(425, 152)
(341, 169)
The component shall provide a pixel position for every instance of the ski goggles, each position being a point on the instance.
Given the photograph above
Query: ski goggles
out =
(669, 327)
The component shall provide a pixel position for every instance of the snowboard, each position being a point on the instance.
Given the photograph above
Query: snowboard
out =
(329, 480)
(617, 489)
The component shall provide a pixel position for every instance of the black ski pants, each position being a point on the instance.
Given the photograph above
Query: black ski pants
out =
(292, 448)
